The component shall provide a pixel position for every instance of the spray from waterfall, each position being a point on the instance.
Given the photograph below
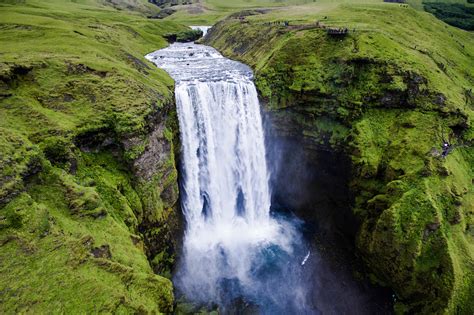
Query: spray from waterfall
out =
(233, 247)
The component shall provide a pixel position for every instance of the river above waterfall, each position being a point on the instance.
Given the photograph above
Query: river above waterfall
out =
(189, 62)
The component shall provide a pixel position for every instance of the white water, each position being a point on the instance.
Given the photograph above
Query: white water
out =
(230, 235)
(204, 29)
(305, 258)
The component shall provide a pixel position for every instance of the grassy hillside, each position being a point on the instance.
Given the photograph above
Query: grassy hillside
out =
(458, 13)
(88, 182)
(139, 6)
(387, 94)
(211, 11)
(88, 137)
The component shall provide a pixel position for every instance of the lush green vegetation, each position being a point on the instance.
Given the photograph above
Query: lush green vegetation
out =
(81, 212)
(88, 182)
(391, 93)
(187, 36)
(211, 11)
(456, 14)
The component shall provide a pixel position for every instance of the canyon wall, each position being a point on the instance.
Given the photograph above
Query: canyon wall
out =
(370, 112)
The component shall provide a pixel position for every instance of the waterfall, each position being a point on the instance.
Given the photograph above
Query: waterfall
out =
(204, 29)
(232, 247)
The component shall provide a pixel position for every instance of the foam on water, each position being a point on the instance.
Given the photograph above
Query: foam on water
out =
(230, 239)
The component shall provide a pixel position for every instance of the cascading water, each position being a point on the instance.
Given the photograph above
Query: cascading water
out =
(233, 247)
(204, 29)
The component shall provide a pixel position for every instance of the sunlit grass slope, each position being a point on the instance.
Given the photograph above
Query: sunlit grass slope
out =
(77, 104)
(210, 11)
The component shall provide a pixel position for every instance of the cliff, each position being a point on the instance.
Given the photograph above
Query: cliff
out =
(383, 99)
(88, 177)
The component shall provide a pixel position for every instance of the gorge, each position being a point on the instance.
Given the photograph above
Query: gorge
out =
(236, 254)
(301, 158)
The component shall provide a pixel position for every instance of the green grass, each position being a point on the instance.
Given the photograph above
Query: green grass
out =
(456, 14)
(111, 45)
(211, 11)
(77, 103)
(387, 95)
(445, 59)
(47, 260)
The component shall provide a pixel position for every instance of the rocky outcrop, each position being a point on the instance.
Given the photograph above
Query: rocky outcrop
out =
(151, 159)
(156, 178)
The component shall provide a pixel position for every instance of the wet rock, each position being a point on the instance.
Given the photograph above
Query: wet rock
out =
(440, 100)
(156, 154)
(68, 97)
(14, 71)
(87, 241)
(79, 68)
(457, 201)
(457, 218)
(184, 36)
(408, 124)
(433, 226)
(430, 228)
(137, 63)
(155, 177)
(96, 140)
(443, 170)
(102, 252)
(136, 239)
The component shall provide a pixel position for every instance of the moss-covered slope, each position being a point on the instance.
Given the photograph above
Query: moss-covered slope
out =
(388, 95)
(88, 179)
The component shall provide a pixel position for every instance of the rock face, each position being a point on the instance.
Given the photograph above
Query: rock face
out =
(358, 120)
(156, 176)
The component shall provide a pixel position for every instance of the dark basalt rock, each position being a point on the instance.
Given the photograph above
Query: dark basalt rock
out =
(162, 14)
(184, 36)
(137, 63)
(102, 251)
(79, 68)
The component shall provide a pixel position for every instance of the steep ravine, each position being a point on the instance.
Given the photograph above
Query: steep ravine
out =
(362, 135)
(89, 218)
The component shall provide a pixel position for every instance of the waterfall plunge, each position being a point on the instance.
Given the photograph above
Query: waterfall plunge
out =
(232, 246)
